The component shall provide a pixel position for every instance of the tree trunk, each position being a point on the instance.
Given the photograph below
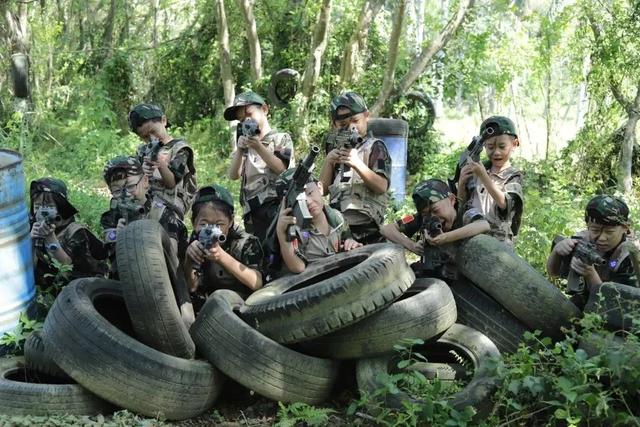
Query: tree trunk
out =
(17, 34)
(255, 53)
(107, 35)
(625, 181)
(392, 58)
(314, 63)
(154, 33)
(226, 73)
(583, 93)
(431, 49)
(350, 58)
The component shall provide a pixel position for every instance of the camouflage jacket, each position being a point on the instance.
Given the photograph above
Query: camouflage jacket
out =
(314, 245)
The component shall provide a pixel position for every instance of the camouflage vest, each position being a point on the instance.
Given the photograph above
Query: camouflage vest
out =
(358, 204)
(314, 245)
(96, 267)
(181, 196)
(258, 181)
(619, 254)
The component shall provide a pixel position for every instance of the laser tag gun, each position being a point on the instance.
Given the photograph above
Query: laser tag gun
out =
(344, 138)
(472, 152)
(295, 196)
(48, 215)
(247, 128)
(432, 256)
(209, 236)
(587, 253)
(152, 149)
(128, 208)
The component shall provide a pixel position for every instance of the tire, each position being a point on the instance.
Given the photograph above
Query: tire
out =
(147, 271)
(388, 127)
(425, 311)
(468, 343)
(330, 294)
(275, 95)
(478, 310)
(256, 361)
(515, 285)
(595, 342)
(421, 98)
(617, 306)
(38, 359)
(25, 392)
(90, 335)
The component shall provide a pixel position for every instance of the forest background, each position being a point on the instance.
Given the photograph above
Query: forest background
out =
(567, 72)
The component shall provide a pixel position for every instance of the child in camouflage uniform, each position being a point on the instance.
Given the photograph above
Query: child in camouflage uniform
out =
(360, 192)
(607, 220)
(330, 233)
(130, 201)
(434, 201)
(64, 240)
(172, 176)
(498, 190)
(233, 264)
(258, 160)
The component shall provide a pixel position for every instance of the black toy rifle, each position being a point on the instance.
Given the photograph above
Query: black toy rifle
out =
(587, 253)
(432, 256)
(127, 207)
(344, 138)
(472, 152)
(295, 197)
(209, 236)
(48, 215)
(152, 149)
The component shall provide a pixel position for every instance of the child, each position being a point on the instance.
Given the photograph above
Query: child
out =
(498, 185)
(434, 200)
(258, 160)
(62, 240)
(233, 264)
(607, 220)
(361, 192)
(329, 234)
(172, 175)
(128, 185)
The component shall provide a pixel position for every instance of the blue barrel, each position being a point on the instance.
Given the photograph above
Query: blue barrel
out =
(17, 289)
(394, 133)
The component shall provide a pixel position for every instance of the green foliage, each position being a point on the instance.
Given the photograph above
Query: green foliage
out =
(15, 339)
(293, 414)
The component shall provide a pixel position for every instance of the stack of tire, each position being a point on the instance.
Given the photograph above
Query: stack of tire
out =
(124, 344)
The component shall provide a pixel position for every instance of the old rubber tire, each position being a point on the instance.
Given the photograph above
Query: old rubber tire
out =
(145, 265)
(481, 312)
(467, 343)
(515, 285)
(89, 333)
(420, 98)
(425, 311)
(38, 359)
(23, 392)
(276, 96)
(616, 303)
(330, 294)
(255, 361)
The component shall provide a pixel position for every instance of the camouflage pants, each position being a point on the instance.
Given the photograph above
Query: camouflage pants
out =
(257, 221)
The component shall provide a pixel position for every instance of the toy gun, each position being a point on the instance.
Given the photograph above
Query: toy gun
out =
(587, 253)
(472, 152)
(128, 208)
(432, 256)
(48, 215)
(152, 149)
(247, 128)
(344, 139)
(209, 236)
(295, 196)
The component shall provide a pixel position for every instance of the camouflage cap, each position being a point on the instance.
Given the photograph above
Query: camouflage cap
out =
(127, 165)
(429, 191)
(245, 98)
(213, 193)
(498, 125)
(59, 190)
(284, 180)
(350, 100)
(607, 210)
(143, 112)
